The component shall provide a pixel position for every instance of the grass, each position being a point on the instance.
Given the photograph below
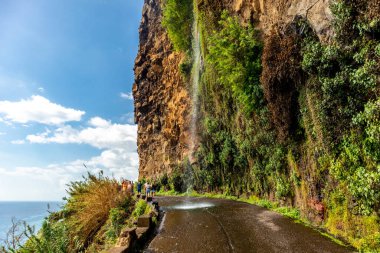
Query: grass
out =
(332, 238)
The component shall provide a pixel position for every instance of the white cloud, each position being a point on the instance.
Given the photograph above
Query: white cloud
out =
(101, 134)
(18, 142)
(118, 158)
(38, 109)
(128, 96)
(116, 162)
(50, 182)
(41, 89)
(99, 122)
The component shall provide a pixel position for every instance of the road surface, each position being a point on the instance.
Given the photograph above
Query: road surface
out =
(200, 225)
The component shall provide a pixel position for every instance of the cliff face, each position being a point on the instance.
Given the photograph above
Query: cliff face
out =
(161, 98)
(271, 14)
(287, 113)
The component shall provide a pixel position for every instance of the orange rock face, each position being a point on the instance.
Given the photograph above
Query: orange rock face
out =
(162, 101)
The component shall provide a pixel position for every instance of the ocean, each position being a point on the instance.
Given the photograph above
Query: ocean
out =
(31, 212)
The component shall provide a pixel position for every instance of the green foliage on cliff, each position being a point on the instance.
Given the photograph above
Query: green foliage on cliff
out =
(235, 53)
(237, 153)
(347, 71)
(178, 21)
(346, 75)
(327, 159)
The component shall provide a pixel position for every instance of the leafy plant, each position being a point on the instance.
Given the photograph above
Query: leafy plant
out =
(140, 208)
(235, 52)
(117, 217)
(53, 237)
(178, 20)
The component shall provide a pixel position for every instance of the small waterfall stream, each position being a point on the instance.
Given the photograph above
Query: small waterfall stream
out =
(195, 75)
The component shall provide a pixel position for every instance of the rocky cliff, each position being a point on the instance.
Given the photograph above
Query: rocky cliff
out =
(161, 98)
(274, 13)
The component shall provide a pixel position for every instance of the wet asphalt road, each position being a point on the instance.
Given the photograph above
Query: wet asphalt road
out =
(200, 225)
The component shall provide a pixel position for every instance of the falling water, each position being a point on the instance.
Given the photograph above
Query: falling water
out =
(195, 74)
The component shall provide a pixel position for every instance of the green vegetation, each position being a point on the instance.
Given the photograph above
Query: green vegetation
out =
(53, 237)
(116, 220)
(178, 21)
(141, 208)
(291, 119)
(347, 73)
(89, 206)
(91, 220)
(236, 154)
(235, 53)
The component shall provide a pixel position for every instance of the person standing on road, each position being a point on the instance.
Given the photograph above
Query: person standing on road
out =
(153, 188)
(129, 188)
(139, 188)
(148, 189)
(124, 185)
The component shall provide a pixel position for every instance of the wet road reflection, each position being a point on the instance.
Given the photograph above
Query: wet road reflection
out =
(189, 205)
(215, 225)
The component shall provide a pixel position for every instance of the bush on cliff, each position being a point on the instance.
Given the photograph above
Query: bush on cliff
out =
(235, 53)
(178, 21)
(345, 78)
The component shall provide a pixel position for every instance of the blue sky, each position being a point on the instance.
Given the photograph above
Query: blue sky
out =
(66, 75)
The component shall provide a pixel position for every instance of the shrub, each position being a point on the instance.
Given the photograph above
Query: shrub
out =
(178, 21)
(162, 184)
(358, 164)
(185, 67)
(117, 217)
(346, 70)
(53, 237)
(235, 52)
(141, 208)
(283, 188)
(95, 210)
(345, 80)
(15, 236)
(88, 207)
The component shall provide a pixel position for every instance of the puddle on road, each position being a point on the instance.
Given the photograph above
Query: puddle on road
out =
(190, 206)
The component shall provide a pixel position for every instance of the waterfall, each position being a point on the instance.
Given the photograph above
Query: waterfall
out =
(195, 75)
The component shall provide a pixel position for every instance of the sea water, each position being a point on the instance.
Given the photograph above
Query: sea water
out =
(33, 213)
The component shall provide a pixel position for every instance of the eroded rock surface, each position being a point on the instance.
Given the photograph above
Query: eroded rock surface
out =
(274, 13)
(161, 98)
